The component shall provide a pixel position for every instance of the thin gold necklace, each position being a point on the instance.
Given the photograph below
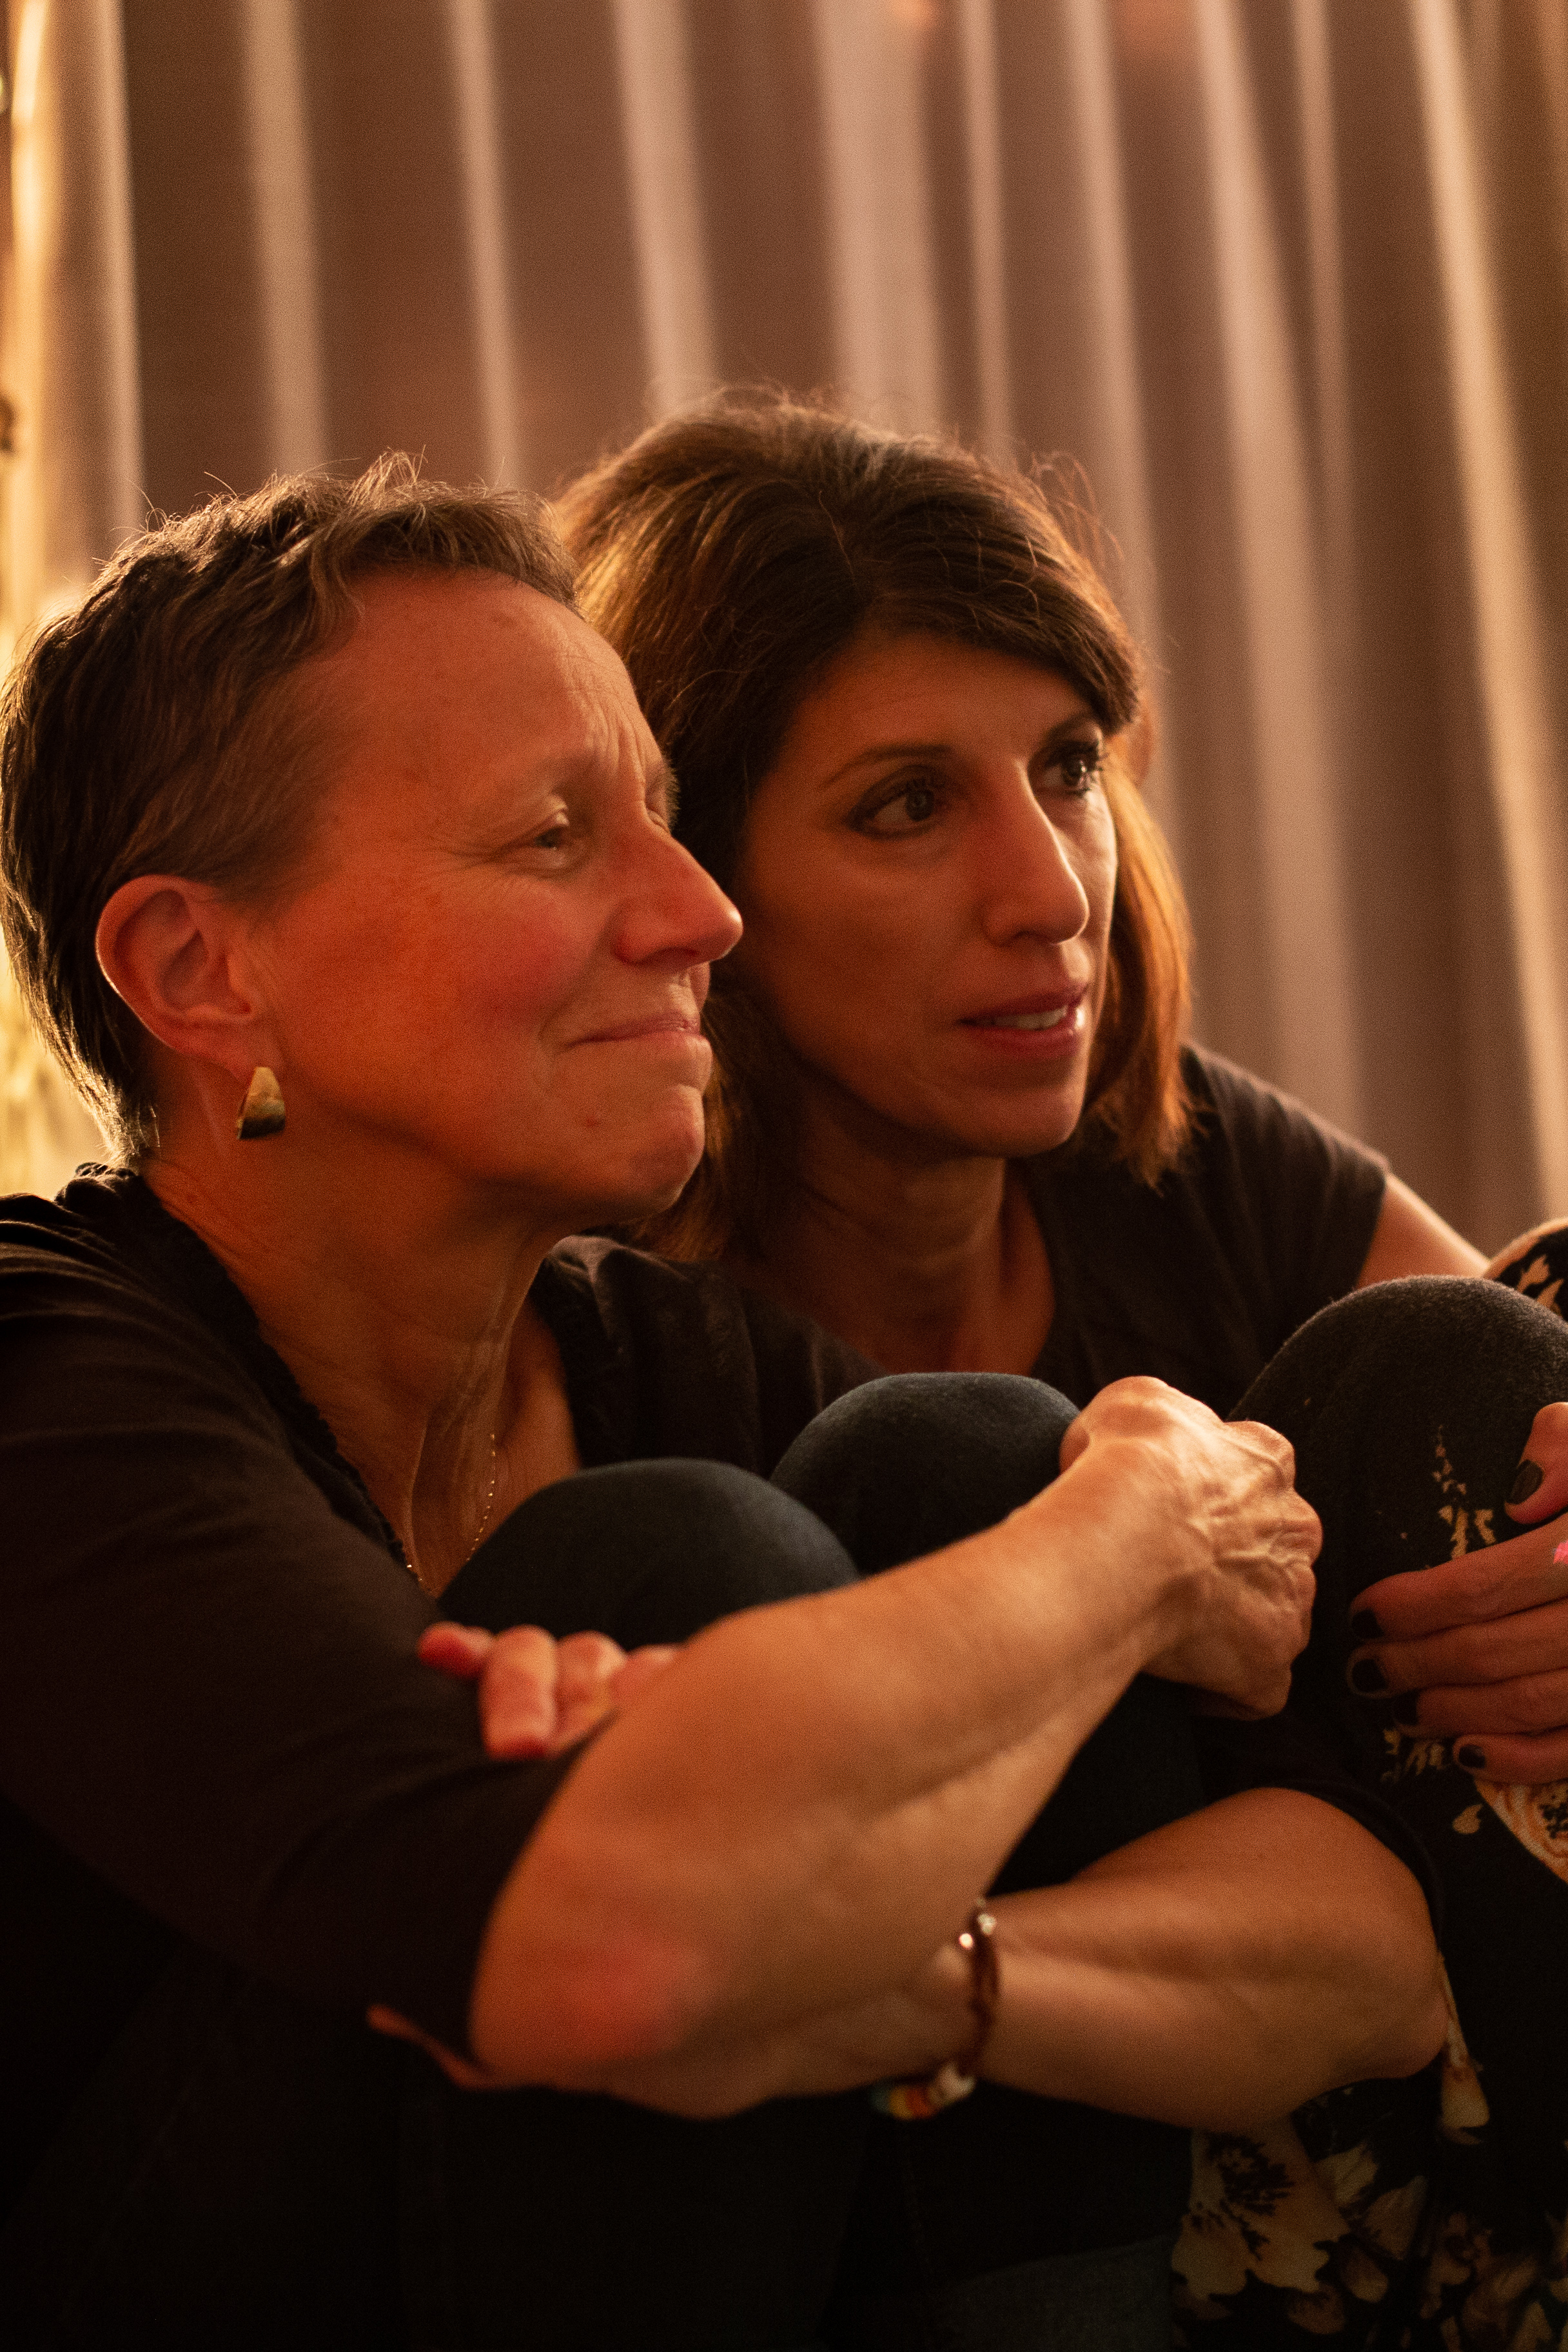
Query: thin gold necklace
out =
(411, 1564)
(490, 1505)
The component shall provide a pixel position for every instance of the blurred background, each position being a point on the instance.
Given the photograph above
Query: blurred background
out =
(1281, 284)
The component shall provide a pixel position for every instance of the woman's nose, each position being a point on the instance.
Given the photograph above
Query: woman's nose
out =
(1027, 881)
(679, 911)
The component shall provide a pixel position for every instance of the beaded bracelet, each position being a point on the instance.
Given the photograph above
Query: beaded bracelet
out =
(912, 2101)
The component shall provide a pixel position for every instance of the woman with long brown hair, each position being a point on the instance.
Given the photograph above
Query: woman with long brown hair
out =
(956, 1119)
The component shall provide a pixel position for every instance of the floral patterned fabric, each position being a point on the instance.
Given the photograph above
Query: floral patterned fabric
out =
(1426, 2216)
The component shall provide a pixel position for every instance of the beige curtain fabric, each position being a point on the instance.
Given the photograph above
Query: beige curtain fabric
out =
(1285, 282)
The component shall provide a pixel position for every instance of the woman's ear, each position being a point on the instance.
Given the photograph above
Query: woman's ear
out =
(173, 950)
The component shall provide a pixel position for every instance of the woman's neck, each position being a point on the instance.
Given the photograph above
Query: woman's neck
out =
(403, 1315)
(924, 1264)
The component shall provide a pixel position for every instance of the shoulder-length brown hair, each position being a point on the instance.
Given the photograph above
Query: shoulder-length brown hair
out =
(729, 555)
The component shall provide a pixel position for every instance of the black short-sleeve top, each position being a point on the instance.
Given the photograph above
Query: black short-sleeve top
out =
(1200, 1279)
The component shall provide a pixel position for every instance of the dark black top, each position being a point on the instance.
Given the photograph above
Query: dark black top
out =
(1199, 1280)
(213, 1723)
(1269, 1216)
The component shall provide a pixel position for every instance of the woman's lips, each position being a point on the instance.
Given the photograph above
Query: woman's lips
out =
(1042, 1011)
(1021, 1020)
(1040, 1024)
(656, 1025)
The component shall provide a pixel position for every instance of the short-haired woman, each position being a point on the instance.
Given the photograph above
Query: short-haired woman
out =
(338, 869)
(955, 1119)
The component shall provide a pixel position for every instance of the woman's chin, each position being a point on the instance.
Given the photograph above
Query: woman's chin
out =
(648, 1180)
(1014, 1131)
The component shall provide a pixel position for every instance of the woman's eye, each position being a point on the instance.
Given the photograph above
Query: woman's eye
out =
(1078, 765)
(553, 835)
(912, 805)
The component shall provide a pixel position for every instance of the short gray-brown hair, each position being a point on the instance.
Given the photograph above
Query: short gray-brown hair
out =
(149, 729)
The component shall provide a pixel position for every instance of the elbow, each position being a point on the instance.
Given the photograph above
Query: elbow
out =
(636, 2006)
(584, 2024)
(1413, 2036)
(1393, 1993)
(1394, 2028)
(1402, 2010)
(1381, 2030)
(643, 2025)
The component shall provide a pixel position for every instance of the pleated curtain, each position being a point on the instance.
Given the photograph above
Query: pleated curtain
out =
(1281, 285)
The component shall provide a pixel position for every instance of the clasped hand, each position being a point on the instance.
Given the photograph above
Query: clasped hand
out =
(538, 1696)
(1476, 1649)
(1222, 1503)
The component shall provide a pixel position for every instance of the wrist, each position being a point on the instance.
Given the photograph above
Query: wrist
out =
(1126, 1523)
(914, 2100)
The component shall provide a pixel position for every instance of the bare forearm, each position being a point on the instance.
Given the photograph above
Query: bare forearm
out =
(1222, 1970)
(1215, 1973)
(801, 1808)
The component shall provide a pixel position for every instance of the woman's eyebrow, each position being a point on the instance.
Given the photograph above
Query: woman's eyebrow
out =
(874, 752)
(1065, 728)
(662, 778)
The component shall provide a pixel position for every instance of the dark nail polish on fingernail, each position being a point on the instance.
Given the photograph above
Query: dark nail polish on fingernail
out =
(1364, 1626)
(1368, 1677)
(1528, 1477)
(1407, 1711)
(1474, 1759)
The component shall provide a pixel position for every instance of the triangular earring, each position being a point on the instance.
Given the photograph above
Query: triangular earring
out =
(262, 1112)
